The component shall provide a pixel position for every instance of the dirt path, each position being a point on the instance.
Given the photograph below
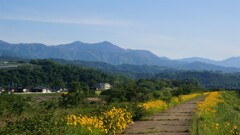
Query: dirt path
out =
(175, 121)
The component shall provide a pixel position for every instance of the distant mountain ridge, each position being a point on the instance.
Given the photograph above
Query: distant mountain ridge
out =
(230, 62)
(109, 53)
(103, 51)
(141, 71)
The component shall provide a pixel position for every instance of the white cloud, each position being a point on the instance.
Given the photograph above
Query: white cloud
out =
(78, 21)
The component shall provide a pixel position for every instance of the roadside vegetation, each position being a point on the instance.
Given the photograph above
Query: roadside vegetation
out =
(218, 114)
(86, 119)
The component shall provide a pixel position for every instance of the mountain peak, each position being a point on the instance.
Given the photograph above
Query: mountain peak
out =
(106, 42)
(77, 42)
(197, 59)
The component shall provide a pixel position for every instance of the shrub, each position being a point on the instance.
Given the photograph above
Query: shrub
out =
(13, 104)
(37, 125)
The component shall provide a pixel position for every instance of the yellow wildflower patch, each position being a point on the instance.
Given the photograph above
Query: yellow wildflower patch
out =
(207, 108)
(157, 104)
(112, 121)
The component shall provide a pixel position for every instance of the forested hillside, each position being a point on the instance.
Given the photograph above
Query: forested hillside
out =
(207, 79)
(52, 74)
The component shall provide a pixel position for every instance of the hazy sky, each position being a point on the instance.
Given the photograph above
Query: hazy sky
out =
(171, 28)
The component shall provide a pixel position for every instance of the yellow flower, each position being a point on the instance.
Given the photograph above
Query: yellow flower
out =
(207, 108)
(227, 123)
(157, 104)
(112, 121)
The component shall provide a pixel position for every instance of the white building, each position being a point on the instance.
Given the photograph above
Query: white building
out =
(103, 86)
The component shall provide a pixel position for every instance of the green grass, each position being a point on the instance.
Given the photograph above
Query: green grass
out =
(225, 122)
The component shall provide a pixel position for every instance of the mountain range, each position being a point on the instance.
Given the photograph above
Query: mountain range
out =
(230, 62)
(109, 53)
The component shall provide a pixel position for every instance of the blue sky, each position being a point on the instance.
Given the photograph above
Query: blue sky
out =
(171, 28)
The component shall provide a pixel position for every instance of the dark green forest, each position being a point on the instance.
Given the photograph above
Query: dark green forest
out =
(52, 74)
(206, 79)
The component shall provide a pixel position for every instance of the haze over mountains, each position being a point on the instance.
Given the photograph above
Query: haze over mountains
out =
(112, 54)
(230, 62)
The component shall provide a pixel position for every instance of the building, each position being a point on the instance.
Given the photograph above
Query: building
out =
(21, 90)
(103, 86)
(41, 89)
(1, 90)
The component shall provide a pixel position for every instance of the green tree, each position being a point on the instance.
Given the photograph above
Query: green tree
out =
(75, 87)
(58, 84)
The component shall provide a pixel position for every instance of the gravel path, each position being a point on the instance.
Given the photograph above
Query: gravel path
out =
(174, 121)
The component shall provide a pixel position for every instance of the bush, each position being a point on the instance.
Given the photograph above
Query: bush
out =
(13, 104)
(37, 125)
(164, 95)
(71, 99)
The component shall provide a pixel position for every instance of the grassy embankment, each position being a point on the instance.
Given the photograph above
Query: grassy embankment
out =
(218, 114)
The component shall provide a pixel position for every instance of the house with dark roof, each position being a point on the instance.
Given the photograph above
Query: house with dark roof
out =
(40, 89)
(21, 90)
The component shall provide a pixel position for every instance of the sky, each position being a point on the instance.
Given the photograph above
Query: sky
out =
(169, 28)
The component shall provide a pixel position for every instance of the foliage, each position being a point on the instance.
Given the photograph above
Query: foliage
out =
(111, 118)
(218, 114)
(13, 104)
(71, 99)
(134, 108)
(164, 94)
(206, 79)
(49, 73)
(37, 125)
(185, 87)
(144, 90)
(128, 91)
(74, 97)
